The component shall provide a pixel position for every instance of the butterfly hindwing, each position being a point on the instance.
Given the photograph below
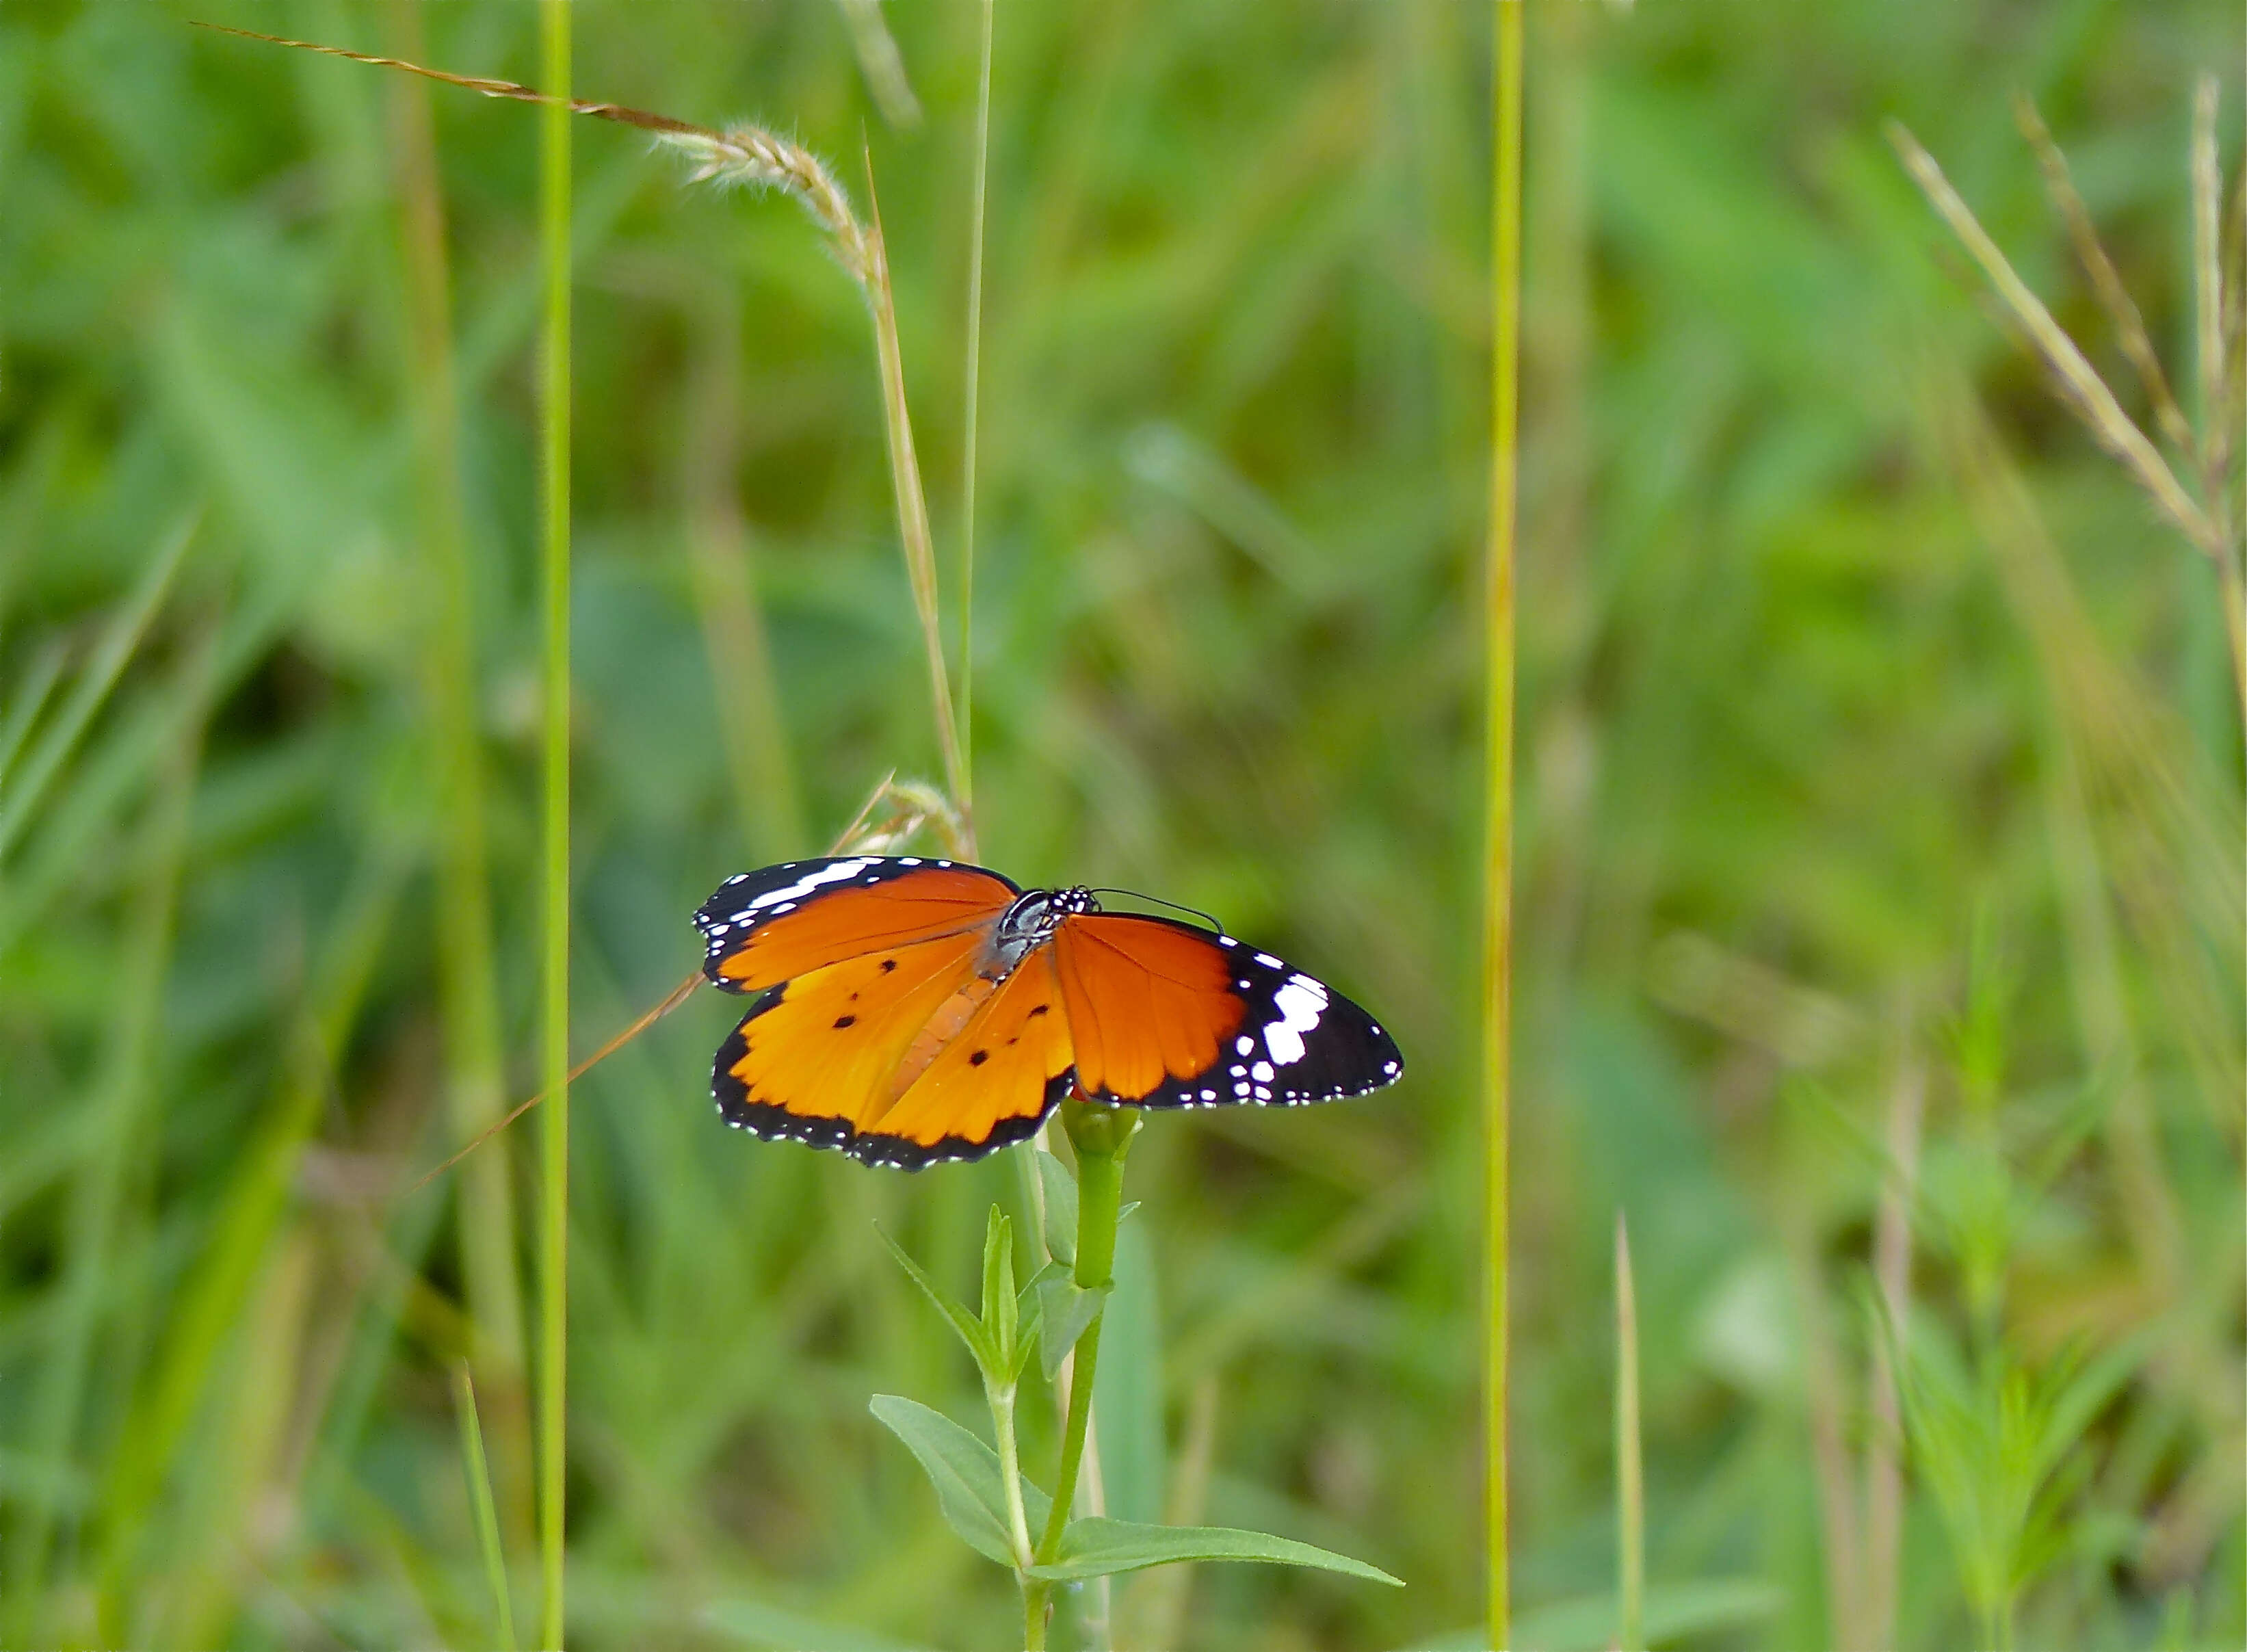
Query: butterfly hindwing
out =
(814, 1059)
(993, 1081)
(1167, 1015)
(765, 927)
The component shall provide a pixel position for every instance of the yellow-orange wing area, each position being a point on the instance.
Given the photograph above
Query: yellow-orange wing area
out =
(877, 1031)
(985, 1086)
(1153, 1006)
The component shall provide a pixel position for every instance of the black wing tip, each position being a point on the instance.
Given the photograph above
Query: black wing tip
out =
(726, 902)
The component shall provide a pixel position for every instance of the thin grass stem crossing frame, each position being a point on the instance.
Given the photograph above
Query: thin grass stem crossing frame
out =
(554, 441)
(1498, 784)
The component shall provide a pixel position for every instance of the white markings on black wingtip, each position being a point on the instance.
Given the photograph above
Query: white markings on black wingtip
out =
(834, 872)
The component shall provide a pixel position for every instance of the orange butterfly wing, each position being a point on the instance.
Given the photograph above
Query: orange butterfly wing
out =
(765, 927)
(1167, 1015)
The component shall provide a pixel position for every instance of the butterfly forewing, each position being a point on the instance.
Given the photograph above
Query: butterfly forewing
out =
(1165, 1015)
(765, 927)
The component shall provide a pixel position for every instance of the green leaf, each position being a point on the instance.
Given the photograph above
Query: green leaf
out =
(964, 1472)
(1095, 1547)
(1674, 1613)
(1064, 1309)
(1127, 1392)
(769, 1626)
(1061, 1208)
(1000, 1314)
(971, 1331)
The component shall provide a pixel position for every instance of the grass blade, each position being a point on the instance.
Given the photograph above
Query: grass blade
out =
(479, 1498)
(1498, 787)
(30, 700)
(118, 641)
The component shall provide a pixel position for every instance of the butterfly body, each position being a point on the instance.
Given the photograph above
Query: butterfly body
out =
(908, 1010)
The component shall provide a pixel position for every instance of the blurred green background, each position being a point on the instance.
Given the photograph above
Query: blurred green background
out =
(1880, 813)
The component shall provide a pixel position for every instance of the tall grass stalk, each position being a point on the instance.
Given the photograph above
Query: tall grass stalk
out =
(1497, 782)
(553, 416)
(972, 412)
(1630, 1470)
(467, 991)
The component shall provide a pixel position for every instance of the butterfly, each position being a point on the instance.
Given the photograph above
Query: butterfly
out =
(909, 1011)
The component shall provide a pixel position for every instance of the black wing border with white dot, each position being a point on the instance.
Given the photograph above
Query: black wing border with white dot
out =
(1298, 1042)
(747, 901)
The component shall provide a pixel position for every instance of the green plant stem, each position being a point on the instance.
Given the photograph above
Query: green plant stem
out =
(1497, 869)
(554, 1237)
(1010, 1468)
(1101, 1135)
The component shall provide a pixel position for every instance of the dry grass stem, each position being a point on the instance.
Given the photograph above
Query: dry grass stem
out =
(920, 545)
(2208, 302)
(881, 62)
(2079, 381)
(2105, 280)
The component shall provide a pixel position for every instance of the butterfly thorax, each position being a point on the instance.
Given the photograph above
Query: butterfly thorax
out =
(1032, 920)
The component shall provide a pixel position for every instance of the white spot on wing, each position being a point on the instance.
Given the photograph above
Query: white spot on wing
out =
(810, 881)
(1301, 1003)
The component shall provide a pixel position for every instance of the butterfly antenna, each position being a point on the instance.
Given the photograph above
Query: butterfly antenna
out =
(679, 995)
(1157, 900)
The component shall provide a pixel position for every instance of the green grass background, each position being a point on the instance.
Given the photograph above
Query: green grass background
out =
(1840, 783)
